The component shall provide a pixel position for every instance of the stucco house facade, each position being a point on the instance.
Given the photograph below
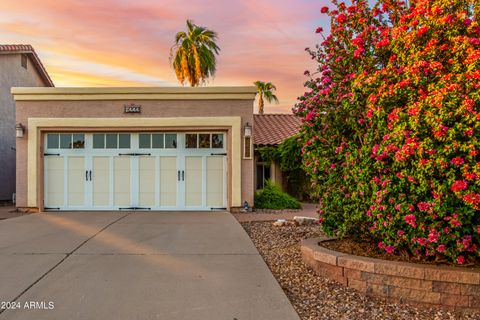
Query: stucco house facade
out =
(135, 148)
(20, 67)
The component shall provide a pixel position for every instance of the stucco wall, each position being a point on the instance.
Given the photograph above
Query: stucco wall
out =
(12, 74)
(114, 109)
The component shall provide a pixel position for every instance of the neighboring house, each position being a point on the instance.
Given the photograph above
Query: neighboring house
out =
(175, 148)
(271, 130)
(19, 67)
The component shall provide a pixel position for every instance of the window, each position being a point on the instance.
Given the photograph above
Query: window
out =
(111, 141)
(217, 140)
(155, 140)
(98, 141)
(191, 140)
(65, 141)
(263, 174)
(171, 140)
(24, 61)
(204, 140)
(247, 147)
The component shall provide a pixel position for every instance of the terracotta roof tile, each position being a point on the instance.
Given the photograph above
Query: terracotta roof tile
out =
(28, 49)
(273, 129)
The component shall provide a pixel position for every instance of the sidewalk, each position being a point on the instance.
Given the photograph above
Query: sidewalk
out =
(308, 210)
(7, 212)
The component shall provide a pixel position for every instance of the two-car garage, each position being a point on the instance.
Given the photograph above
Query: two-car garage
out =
(141, 171)
(182, 149)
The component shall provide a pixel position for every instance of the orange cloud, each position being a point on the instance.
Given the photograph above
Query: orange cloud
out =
(117, 43)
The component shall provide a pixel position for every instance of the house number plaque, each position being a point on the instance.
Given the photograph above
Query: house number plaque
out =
(132, 108)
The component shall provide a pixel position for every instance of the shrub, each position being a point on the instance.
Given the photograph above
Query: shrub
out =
(288, 155)
(272, 197)
(392, 125)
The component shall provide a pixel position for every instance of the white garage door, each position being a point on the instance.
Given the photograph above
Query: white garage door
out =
(135, 171)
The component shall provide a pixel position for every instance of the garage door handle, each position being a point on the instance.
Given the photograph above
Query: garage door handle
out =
(86, 175)
(183, 175)
(90, 175)
(178, 173)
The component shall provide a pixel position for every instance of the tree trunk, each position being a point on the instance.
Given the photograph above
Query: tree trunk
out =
(260, 103)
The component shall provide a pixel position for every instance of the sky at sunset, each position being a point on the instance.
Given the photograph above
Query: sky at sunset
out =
(127, 42)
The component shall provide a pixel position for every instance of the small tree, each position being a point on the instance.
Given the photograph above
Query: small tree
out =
(193, 55)
(266, 90)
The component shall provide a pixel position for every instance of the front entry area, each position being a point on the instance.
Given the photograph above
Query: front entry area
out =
(135, 171)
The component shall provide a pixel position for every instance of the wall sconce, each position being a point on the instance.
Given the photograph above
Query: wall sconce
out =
(248, 130)
(20, 130)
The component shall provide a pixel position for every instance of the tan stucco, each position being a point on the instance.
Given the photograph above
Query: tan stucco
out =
(105, 115)
(136, 93)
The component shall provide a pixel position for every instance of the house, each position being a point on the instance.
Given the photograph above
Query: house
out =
(156, 148)
(271, 130)
(19, 66)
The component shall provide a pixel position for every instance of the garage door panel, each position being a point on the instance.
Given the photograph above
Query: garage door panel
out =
(55, 190)
(147, 175)
(193, 181)
(215, 181)
(122, 181)
(101, 181)
(76, 181)
(168, 181)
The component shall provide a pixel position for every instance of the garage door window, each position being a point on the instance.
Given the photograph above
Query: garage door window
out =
(65, 141)
(157, 140)
(111, 141)
(204, 140)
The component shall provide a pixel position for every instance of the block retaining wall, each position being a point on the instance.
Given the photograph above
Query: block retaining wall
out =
(452, 287)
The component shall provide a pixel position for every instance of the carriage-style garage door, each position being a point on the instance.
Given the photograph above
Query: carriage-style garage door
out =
(125, 171)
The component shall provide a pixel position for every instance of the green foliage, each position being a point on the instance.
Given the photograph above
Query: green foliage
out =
(288, 155)
(272, 197)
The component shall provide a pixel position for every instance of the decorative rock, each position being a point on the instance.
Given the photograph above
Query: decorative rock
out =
(305, 220)
(280, 222)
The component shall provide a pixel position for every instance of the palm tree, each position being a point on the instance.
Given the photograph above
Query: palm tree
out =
(266, 90)
(193, 55)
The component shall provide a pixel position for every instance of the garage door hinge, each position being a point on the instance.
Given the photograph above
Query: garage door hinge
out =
(218, 154)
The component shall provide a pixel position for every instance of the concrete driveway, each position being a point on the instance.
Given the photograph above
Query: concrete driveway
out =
(143, 265)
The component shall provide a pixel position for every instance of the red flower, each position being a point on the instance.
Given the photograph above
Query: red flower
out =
(423, 206)
(319, 29)
(441, 248)
(459, 185)
(460, 260)
(324, 10)
(457, 161)
(410, 219)
(341, 18)
(389, 249)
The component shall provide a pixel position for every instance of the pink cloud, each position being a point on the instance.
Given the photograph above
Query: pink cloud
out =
(260, 40)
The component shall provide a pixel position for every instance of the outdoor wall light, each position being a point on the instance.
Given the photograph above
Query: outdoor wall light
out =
(248, 130)
(20, 130)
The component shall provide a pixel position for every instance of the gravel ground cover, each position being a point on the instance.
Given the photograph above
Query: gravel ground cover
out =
(314, 297)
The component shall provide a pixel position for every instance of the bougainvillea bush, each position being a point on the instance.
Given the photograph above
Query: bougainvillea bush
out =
(391, 127)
